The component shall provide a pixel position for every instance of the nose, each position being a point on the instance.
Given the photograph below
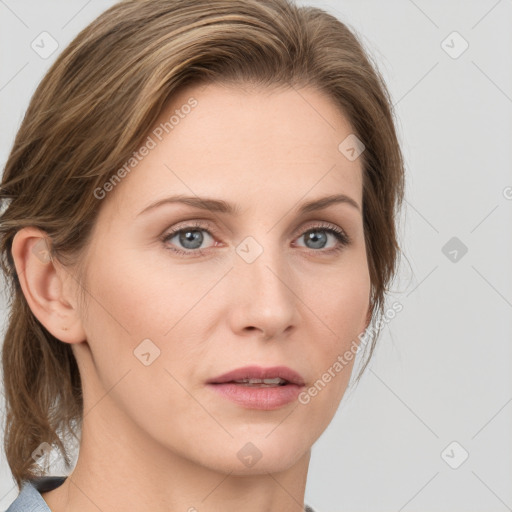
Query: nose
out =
(263, 297)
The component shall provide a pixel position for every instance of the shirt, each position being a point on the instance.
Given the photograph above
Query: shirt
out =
(30, 500)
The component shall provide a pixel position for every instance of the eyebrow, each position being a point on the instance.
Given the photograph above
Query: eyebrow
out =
(220, 206)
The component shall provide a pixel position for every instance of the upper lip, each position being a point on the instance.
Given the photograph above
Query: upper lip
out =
(258, 372)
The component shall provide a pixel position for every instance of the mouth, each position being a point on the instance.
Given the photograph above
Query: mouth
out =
(258, 375)
(254, 387)
(261, 383)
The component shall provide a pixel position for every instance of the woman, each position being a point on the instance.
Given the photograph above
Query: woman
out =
(199, 232)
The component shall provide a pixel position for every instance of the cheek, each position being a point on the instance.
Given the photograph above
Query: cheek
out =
(342, 300)
(140, 297)
(132, 299)
(124, 305)
(131, 304)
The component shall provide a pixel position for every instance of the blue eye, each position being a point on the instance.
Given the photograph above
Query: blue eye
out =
(191, 238)
(319, 242)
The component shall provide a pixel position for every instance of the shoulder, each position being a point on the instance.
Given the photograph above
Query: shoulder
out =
(29, 499)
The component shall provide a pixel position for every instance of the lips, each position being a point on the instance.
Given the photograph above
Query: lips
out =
(258, 372)
(255, 387)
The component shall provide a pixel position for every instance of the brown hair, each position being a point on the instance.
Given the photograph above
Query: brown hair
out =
(94, 108)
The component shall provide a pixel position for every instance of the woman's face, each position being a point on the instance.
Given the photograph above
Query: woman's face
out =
(255, 282)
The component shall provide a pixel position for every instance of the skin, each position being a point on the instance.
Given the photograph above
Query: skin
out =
(156, 434)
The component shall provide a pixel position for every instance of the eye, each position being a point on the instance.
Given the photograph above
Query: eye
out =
(189, 238)
(317, 238)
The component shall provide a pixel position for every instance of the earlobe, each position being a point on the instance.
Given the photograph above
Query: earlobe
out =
(42, 280)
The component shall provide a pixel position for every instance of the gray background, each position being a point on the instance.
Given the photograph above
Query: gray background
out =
(441, 373)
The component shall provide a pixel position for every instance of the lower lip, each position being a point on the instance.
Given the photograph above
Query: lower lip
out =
(263, 398)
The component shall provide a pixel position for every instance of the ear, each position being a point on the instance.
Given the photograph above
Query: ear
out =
(44, 283)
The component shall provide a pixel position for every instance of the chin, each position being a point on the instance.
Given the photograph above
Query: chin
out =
(271, 452)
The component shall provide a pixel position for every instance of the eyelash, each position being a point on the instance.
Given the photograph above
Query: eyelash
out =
(342, 238)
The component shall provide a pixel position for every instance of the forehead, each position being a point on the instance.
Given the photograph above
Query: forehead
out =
(239, 143)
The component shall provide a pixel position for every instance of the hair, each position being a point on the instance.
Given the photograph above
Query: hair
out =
(93, 109)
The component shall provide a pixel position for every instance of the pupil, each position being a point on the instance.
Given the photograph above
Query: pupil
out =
(191, 239)
(313, 237)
